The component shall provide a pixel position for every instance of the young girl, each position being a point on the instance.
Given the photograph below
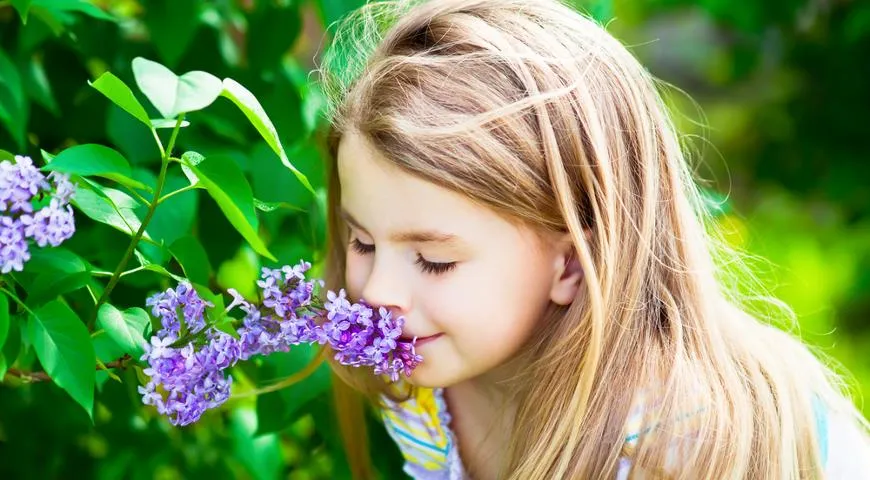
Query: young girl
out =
(508, 180)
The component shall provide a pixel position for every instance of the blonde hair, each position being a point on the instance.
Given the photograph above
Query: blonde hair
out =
(534, 110)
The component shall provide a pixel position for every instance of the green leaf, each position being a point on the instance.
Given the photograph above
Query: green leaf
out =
(175, 216)
(240, 272)
(12, 347)
(120, 94)
(95, 160)
(14, 109)
(167, 123)
(173, 26)
(48, 286)
(260, 454)
(54, 260)
(273, 183)
(272, 31)
(23, 6)
(4, 320)
(226, 183)
(84, 6)
(36, 84)
(64, 349)
(193, 259)
(250, 106)
(272, 206)
(153, 267)
(46, 156)
(171, 94)
(192, 159)
(313, 100)
(125, 327)
(111, 207)
(215, 313)
(52, 20)
(126, 134)
(4, 155)
(107, 350)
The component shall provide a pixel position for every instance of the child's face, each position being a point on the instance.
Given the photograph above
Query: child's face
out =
(449, 266)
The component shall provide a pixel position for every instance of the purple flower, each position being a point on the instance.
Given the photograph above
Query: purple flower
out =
(284, 318)
(13, 246)
(50, 225)
(364, 337)
(21, 183)
(191, 377)
(166, 306)
(291, 313)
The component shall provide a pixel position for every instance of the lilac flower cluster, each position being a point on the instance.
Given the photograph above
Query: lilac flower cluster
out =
(191, 375)
(291, 312)
(21, 184)
(362, 336)
(286, 316)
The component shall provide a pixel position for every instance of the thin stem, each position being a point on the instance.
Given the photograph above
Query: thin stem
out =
(17, 300)
(152, 207)
(91, 293)
(101, 273)
(44, 377)
(306, 371)
(159, 143)
(176, 192)
(136, 194)
(133, 270)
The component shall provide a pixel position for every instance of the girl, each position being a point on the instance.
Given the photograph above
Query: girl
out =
(507, 179)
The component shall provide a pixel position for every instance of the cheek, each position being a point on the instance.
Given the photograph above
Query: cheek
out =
(487, 304)
(356, 272)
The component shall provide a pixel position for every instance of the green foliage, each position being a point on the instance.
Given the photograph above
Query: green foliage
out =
(64, 348)
(72, 324)
(126, 327)
(175, 182)
(94, 160)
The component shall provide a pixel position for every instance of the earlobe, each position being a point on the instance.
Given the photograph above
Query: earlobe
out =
(567, 277)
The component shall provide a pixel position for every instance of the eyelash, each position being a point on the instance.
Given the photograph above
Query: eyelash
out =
(435, 268)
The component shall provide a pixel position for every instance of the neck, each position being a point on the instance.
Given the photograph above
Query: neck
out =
(483, 409)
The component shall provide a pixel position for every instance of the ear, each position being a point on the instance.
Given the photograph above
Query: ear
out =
(567, 274)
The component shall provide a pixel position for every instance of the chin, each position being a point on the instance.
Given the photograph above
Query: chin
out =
(429, 376)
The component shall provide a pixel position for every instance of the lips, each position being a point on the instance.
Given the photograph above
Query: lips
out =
(420, 339)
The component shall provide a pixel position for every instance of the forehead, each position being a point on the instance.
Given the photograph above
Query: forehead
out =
(385, 199)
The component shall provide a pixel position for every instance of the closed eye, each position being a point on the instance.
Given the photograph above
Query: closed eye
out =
(361, 248)
(435, 268)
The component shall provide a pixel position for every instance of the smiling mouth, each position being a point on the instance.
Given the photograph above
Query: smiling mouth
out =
(419, 340)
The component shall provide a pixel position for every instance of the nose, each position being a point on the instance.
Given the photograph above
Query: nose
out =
(386, 288)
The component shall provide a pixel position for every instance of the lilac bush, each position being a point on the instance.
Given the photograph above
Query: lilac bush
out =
(22, 188)
(187, 357)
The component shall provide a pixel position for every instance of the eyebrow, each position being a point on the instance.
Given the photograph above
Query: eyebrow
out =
(411, 236)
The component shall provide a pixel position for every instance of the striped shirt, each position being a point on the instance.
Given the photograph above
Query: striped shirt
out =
(421, 428)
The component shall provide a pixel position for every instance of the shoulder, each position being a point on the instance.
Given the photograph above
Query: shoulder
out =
(644, 422)
(844, 443)
(843, 437)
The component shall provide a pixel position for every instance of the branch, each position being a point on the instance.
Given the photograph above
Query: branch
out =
(43, 377)
(161, 178)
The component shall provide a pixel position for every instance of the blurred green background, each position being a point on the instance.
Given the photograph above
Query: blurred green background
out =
(774, 104)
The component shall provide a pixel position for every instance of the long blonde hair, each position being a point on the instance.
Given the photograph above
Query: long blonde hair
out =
(534, 110)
